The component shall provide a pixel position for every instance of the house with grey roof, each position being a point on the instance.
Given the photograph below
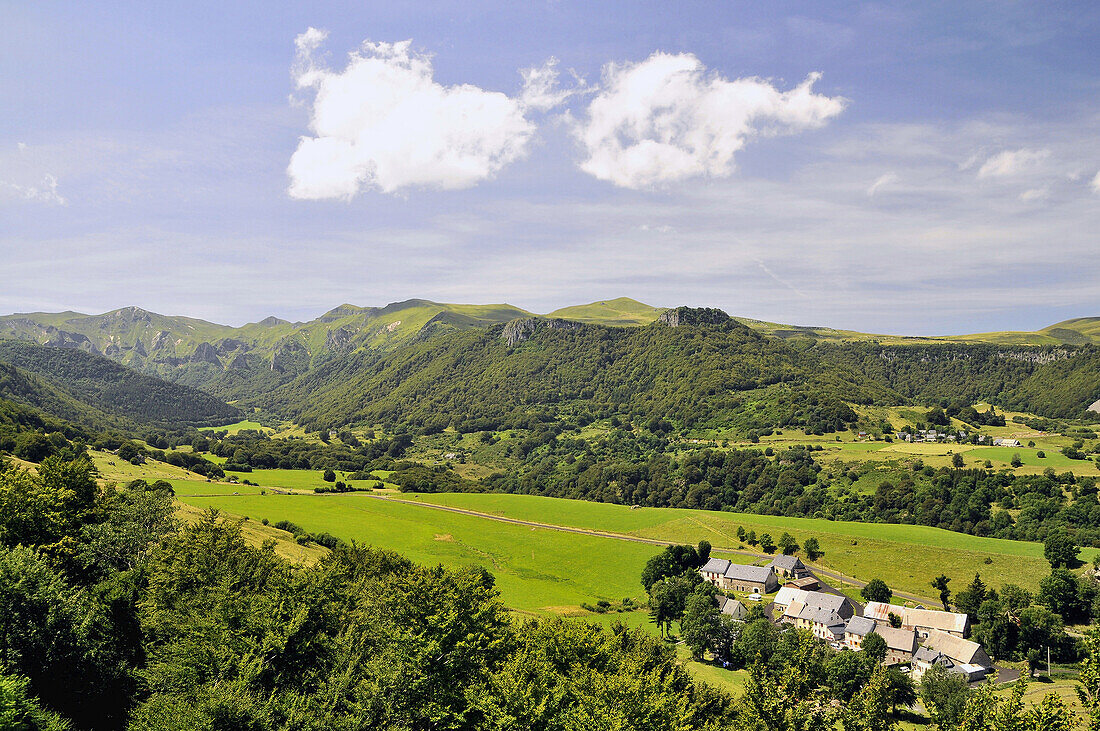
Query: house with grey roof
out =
(732, 608)
(900, 643)
(790, 602)
(788, 567)
(825, 624)
(921, 620)
(729, 576)
(954, 653)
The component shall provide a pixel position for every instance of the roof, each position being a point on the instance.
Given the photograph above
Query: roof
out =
(789, 594)
(899, 640)
(787, 563)
(881, 611)
(861, 626)
(946, 621)
(930, 656)
(821, 615)
(804, 583)
(716, 566)
(732, 607)
(744, 572)
(960, 650)
(911, 617)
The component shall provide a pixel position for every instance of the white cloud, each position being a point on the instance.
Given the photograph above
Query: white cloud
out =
(41, 192)
(541, 89)
(881, 182)
(667, 119)
(1095, 184)
(383, 123)
(1035, 194)
(1012, 162)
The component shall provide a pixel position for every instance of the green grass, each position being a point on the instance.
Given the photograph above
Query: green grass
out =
(621, 312)
(536, 570)
(234, 428)
(907, 557)
(295, 479)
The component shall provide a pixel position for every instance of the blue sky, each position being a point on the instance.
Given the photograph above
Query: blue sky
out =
(914, 168)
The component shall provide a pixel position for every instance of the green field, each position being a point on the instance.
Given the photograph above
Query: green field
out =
(906, 556)
(536, 569)
(234, 428)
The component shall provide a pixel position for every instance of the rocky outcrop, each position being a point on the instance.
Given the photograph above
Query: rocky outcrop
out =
(517, 331)
(160, 340)
(339, 339)
(289, 356)
(205, 353)
(678, 316)
(229, 345)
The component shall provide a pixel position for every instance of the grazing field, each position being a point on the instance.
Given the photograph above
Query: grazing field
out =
(240, 425)
(907, 557)
(295, 479)
(536, 569)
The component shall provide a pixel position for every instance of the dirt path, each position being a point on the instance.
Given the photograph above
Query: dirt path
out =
(819, 572)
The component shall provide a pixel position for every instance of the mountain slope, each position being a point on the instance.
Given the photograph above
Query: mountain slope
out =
(533, 369)
(94, 390)
(622, 312)
(254, 357)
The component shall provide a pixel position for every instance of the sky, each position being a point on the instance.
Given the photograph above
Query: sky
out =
(911, 168)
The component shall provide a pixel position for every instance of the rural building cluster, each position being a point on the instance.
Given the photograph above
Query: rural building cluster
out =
(915, 636)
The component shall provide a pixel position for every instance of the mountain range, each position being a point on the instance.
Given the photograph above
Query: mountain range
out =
(435, 362)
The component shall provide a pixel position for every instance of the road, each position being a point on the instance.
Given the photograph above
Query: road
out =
(819, 572)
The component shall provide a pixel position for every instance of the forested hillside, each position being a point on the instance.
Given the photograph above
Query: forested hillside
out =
(1053, 381)
(534, 370)
(94, 391)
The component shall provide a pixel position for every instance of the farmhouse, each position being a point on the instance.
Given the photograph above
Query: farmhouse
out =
(900, 643)
(789, 567)
(808, 583)
(732, 607)
(792, 601)
(954, 653)
(729, 576)
(825, 624)
(922, 621)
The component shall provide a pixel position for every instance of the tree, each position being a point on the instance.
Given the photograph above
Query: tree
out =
(1088, 681)
(1016, 461)
(812, 549)
(957, 461)
(700, 624)
(945, 695)
(741, 533)
(894, 620)
(767, 545)
(329, 476)
(21, 711)
(874, 647)
(869, 709)
(876, 591)
(1041, 629)
(787, 544)
(1059, 549)
(846, 673)
(703, 552)
(1061, 593)
(970, 599)
(940, 584)
(903, 692)
(750, 538)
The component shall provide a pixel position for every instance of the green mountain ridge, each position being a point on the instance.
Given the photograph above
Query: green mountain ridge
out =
(98, 393)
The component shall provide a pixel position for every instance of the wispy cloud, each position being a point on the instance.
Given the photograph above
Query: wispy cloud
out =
(881, 182)
(1012, 162)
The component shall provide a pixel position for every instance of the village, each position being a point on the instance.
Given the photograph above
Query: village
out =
(915, 637)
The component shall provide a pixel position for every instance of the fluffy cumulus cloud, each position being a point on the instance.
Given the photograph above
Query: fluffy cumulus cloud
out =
(1010, 163)
(881, 182)
(667, 119)
(24, 180)
(382, 122)
(1096, 183)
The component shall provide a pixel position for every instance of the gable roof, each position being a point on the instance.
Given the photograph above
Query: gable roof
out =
(912, 617)
(930, 656)
(821, 615)
(960, 650)
(788, 594)
(861, 626)
(744, 572)
(732, 607)
(716, 566)
(787, 563)
(899, 640)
